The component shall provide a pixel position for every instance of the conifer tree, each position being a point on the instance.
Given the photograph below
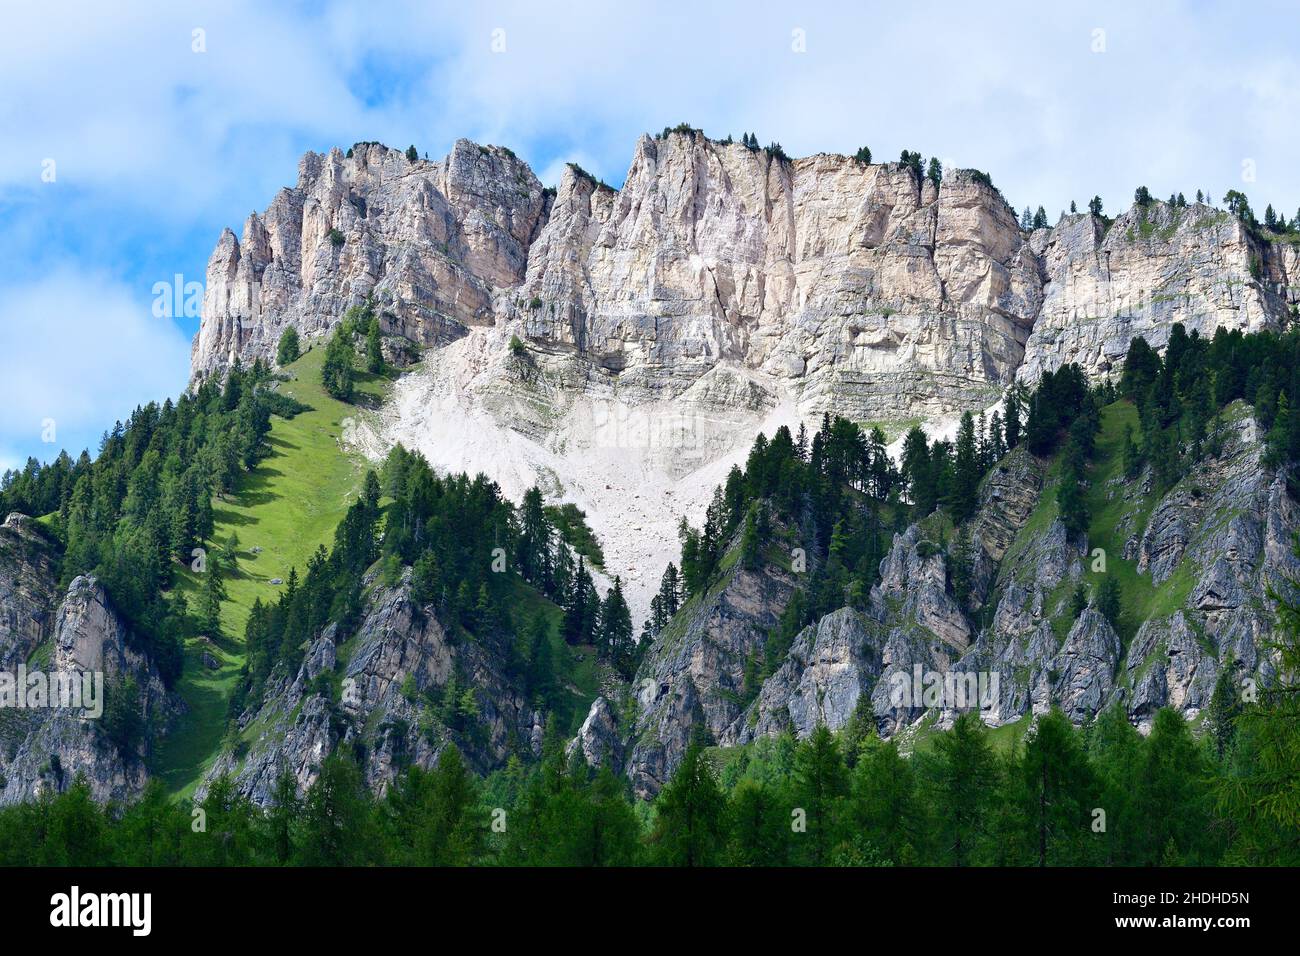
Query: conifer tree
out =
(821, 785)
(966, 778)
(1056, 790)
(374, 348)
(287, 351)
(616, 629)
(690, 814)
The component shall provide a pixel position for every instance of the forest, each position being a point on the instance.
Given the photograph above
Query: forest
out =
(1100, 794)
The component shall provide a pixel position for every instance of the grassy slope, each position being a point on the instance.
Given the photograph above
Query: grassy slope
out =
(1141, 599)
(288, 506)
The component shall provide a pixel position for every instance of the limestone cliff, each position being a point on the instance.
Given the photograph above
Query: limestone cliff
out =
(720, 291)
(865, 289)
(431, 242)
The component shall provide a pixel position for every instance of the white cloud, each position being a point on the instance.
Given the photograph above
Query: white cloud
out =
(1182, 92)
(80, 352)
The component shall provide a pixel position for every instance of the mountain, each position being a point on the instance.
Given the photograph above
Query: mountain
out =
(622, 350)
(722, 291)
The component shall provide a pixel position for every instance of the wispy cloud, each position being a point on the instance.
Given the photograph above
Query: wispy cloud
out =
(80, 354)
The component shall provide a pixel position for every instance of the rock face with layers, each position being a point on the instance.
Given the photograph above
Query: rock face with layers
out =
(1208, 551)
(862, 288)
(622, 348)
(694, 674)
(1155, 265)
(28, 593)
(430, 242)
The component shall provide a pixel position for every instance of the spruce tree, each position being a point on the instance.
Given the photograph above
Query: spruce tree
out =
(374, 348)
(286, 351)
(616, 629)
(690, 814)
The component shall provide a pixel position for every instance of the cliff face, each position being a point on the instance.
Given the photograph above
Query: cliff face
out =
(721, 291)
(28, 596)
(694, 674)
(44, 748)
(430, 241)
(861, 289)
(1155, 265)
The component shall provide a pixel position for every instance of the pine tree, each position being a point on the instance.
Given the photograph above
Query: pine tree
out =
(287, 350)
(1070, 498)
(690, 814)
(1172, 794)
(1012, 426)
(751, 548)
(534, 546)
(1225, 708)
(214, 592)
(541, 671)
(374, 348)
(1108, 600)
(616, 629)
(582, 609)
(917, 475)
(337, 373)
(966, 472)
(1056, 790)
(1261, 792)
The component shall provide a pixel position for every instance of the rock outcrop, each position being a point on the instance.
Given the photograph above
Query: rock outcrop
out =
(863, 289)
(431, 243)
(28, 593)
(693, 677)
(1153, 266)
(396, 692)
(44, 748)
(1207, 554)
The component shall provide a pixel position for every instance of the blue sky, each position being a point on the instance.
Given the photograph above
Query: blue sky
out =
(156, 146)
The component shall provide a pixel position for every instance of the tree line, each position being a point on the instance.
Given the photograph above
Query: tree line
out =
(142, 508)
(1102, 795)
